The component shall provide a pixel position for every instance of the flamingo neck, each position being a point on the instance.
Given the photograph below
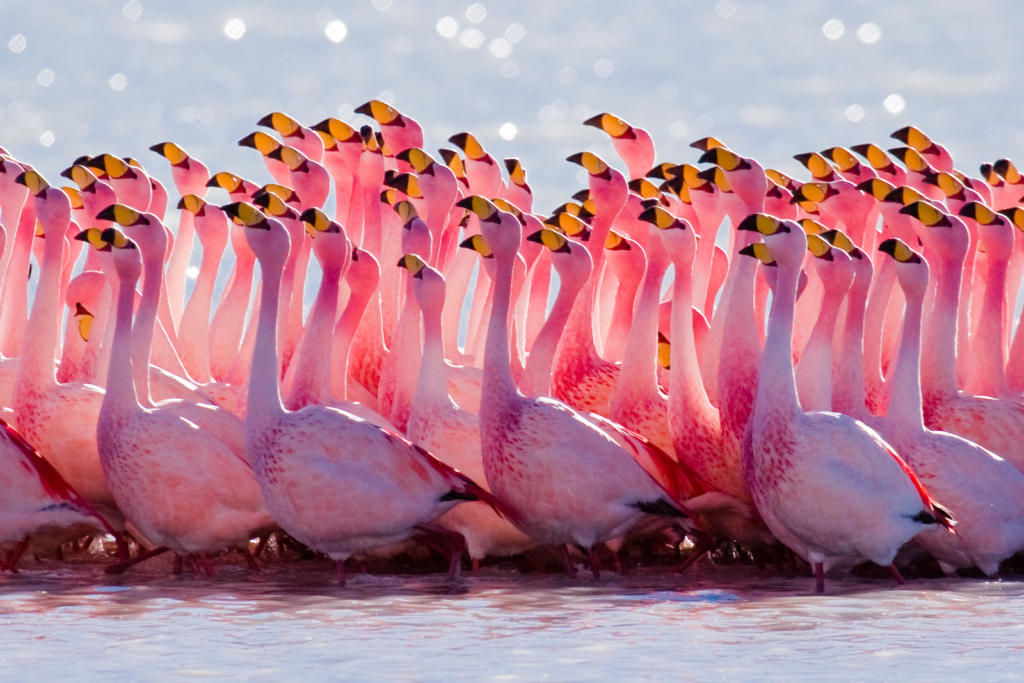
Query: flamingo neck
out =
(499, 388)
(536, 379)
(121, 399)
(177, 265)
(686, 387)
(264, 396)
(817, 393)
(776, 387)
(938, 371)
(196, 318)
(987, 349)
(344, 332)
(432, 384)
(905, 398)
(312, 366)
(848, 385)
(44, 320)
(145, 321)
(639, 375)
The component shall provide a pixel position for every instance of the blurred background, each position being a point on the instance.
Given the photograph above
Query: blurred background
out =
(769, 79)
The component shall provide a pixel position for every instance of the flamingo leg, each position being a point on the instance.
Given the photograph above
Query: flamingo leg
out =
(704, 545)
(570, 569)
(120, 567)
(250, 561)
(12, 557)
(456, 545)
(339, 567)
(819, 577)
(595, 564)
(896, 575)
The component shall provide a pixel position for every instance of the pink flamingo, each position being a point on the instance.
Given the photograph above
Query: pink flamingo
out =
(985, 492)
(568, 481)
(301, 458)
(826, 485)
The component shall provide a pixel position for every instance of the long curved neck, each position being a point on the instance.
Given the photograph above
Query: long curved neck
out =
(905, 400)
(264, 397)
(499, 388)
(776, 387)
(228, 322)
(815, 367)
(14, 303)
(686, 386)
(44, 320)
(177, 265)
(987, 349)
(145, 321)
(938, 371)
(311, 367)
(121, 399)
(432, 384)
(639, 375)
(344, 332)
(195, 321)
(536, 378)
(848, 381)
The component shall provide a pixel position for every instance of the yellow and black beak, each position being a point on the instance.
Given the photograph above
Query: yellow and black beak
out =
(814, 192)
(470, 146)
(704, 144)
(841, 157)
(874, 154)
(407, 183)
(516, 172)
(260, 141)
(877, 188)
(283, 124)
(316, 221)
(761, 252)
(571, 225)
(662, 171)
(728, 160)
(613, 125)
(927, 214)
(593, 164)
(1016, 216)
(246, 215)
(898, 249)
(172, 152)
(122, 215)
(914, 138)
(116, 239)
(903, 195)
(414, 264)
(660, 218)
(94, 238)
(417, 158)
(481, 206)
(979, 212)
(552, 239)
(225, 181)
(1007, 171)
(194, 204)
(762, 223)
(381, 112)
(31, 179)
(818, 165)
(478, 244)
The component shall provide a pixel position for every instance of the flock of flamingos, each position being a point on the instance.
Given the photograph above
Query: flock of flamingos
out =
(780, 395)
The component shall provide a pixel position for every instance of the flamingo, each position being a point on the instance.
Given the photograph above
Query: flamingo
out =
(984, 491)
(151, 456)
(568, 480)
(826, 485)
(303, 458)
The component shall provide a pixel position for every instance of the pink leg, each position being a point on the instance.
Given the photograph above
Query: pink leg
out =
(896, 575)
(819, 577)
(704, 545)
(456, 545)
(339, 566)
(178, 565)
(476, 565)
(570, 569)
(595, 565)
(120, 567)
(251, 561)
(262, 544)
(15, 555)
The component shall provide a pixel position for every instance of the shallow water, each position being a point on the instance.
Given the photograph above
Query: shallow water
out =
(714, 622)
